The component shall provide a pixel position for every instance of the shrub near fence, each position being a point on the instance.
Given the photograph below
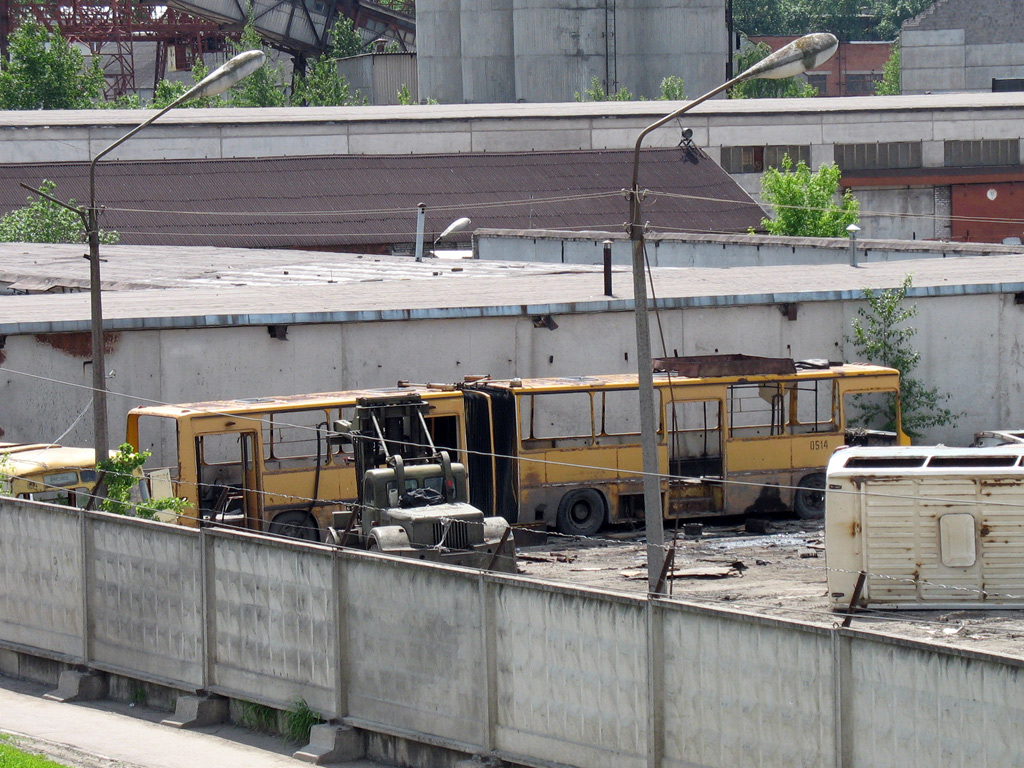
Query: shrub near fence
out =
(535, 673)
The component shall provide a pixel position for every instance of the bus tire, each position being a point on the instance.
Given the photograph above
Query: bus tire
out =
(296, 524)
(809, 499)
(580, 513)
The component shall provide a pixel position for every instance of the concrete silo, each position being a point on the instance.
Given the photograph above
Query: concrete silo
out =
(547, 50)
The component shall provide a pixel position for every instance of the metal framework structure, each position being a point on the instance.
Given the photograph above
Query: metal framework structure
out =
(109, 28)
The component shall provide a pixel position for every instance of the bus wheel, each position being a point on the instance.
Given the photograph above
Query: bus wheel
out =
(580, 513)
(809, 499)
(296, 524)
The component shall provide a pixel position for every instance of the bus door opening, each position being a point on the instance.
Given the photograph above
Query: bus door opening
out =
(228, 480)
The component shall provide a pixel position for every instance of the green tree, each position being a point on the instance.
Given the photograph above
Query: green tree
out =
(345, 40)
(322, 86)
(47, 72)
(786, 88)
(846, 19)
(672, 88)
(43, 221)
(167, 91)
(596, 92)
(804, 203)
(264, 87)
(882, 336)
(889, 15)
(122, 476)
(6, 472)
(889, 85)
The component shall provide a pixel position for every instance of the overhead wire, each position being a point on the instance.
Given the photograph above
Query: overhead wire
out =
(714, 480)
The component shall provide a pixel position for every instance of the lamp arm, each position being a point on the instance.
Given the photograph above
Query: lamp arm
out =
(103, 152)
(673, 115)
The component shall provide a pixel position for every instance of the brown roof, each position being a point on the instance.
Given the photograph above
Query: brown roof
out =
(368, 202)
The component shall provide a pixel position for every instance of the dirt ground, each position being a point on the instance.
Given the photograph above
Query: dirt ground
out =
(780, 573)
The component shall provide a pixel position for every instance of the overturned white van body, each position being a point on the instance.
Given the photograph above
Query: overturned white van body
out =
(929, 527)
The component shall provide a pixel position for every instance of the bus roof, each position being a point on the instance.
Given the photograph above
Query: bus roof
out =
(291, 402)
(432, 391)
(629, 380)
(46, 458)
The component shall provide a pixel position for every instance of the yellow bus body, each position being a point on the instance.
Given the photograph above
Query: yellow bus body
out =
(54, 473)
(539, 451)
(762, 446)
(265, 464)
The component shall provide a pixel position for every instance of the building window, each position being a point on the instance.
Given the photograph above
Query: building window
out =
(865, 157)
(986, 152)
(818, 81)
(861, 83)
(756, 159)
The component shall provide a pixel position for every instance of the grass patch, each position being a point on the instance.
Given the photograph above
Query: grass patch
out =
(298, 721)
(12, 757)
(255, 717)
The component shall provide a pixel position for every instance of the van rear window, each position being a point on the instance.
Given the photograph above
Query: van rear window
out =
(885, 462)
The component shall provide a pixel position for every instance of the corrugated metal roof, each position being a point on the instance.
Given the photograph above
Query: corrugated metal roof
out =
(368, 202)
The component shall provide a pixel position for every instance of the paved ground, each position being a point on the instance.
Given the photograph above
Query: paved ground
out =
(780, 574)
(107, 734)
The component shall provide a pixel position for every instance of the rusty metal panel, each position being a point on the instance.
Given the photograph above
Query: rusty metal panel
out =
(415, 648)
(697, 366)
(40, 576)
(271, 620)
(571, 677)
(146, 598)
(917, 708)
(745, 692)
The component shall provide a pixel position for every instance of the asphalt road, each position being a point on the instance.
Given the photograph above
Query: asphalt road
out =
(108, 734)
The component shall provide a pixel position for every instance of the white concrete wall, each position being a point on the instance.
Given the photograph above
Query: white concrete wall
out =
(969, 347)
(530, 672)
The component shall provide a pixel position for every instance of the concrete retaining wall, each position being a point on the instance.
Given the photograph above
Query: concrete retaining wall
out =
(716, 251)
(534, 673)
(969, 347)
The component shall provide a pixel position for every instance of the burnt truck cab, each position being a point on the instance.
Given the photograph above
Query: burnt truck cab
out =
(413, 500)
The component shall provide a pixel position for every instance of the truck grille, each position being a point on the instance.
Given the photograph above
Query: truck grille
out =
(458, 534)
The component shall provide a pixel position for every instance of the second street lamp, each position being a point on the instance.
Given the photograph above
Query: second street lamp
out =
(218, 81)
(799, 56)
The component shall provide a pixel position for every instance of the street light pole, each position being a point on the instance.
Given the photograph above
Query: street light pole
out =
(799, 56)
(218, 81)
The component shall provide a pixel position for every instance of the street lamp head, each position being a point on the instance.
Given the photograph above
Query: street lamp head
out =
(799, 56)
(455, 226)
(226, 75)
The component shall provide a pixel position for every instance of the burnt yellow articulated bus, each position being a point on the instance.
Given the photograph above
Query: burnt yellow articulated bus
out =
(737, 434)
(268, 464)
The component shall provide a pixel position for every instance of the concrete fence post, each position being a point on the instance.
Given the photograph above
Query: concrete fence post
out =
(842, 698)
(489, 647)
(340, 600)
(206, 578)
(655, 684)
(85, 549)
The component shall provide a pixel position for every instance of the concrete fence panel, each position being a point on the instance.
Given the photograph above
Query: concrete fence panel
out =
(41, 579)
(271, 621)
(746, 691)
(917, 708)
(572, 671)
(414, 648)
(146, 598)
